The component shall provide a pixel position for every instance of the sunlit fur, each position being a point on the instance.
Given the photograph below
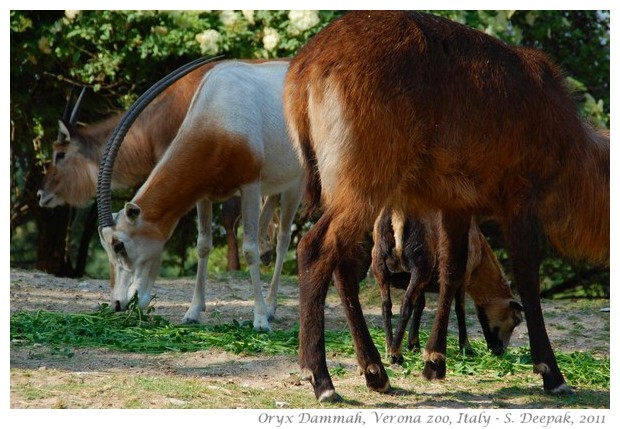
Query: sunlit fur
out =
(233, 139)
(427, 114)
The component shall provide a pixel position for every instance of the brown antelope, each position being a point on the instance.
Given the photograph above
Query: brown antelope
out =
(404, 256)
(71, 178)
(233, 139)
(422, 114)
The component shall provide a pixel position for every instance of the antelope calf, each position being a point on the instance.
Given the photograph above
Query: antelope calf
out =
(404, 256)
(415, 112)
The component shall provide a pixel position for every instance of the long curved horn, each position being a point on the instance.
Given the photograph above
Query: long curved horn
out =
(76, 108)
(104, 192)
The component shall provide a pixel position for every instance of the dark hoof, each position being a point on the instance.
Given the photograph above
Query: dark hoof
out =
(117, 306)
(376, 378)
(397, 359)
(434, 370)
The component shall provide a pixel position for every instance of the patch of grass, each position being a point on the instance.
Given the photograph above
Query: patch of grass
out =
(138, 331)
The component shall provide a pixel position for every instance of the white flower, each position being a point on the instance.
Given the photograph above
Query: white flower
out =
(209, 40)
(71, 14)
(248, 15)
(271, 38)
(303, 20)
(228, 17)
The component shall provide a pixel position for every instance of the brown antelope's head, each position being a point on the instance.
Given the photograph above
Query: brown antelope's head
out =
(134, 248)
(498, 312)
(498, 319)
(71, 177)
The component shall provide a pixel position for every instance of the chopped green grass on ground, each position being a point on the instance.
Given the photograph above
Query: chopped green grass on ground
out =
(138, 331)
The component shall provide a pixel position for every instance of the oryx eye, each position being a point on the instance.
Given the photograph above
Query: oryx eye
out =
(59, 156)
(118, 247)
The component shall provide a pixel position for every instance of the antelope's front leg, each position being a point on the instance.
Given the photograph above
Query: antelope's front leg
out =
(250, 211)
(204, 210)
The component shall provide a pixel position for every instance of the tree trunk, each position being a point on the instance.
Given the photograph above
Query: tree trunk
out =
(52, 256)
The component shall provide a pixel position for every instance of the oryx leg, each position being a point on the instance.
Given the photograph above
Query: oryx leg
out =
(204, 209)
(250, 208)
(289, 203)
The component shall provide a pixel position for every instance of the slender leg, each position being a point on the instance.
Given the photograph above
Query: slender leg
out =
(413, 342)
(265, 228)
(459, 309)
(413, 293)
(205, 244)
(522, 236)
(454, 232)
(382, 274)
(289, 203)
(250, 208)
(346, 279)
(332, 243)
(315, 270)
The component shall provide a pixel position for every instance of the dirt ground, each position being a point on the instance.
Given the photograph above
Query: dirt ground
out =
(230, 297)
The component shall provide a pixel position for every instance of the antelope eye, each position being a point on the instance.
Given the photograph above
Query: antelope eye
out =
(118, 247)
(59, 156)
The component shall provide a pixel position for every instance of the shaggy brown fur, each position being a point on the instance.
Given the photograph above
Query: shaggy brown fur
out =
(420, 113)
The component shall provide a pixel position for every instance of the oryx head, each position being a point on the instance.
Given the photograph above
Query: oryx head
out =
(134, 244)
(72, 175)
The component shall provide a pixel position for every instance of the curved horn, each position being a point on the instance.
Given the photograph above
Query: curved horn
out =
(76, 108)
(104, 192)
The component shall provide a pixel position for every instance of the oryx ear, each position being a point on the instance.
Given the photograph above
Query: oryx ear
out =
(132, 211)
(64, 131)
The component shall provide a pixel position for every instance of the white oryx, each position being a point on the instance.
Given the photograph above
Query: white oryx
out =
(232, 140)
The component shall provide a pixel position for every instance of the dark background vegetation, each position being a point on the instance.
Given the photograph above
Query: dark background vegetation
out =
(119, 54)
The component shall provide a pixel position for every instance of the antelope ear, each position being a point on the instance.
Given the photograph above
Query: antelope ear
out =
(132, 211)
(64, 130)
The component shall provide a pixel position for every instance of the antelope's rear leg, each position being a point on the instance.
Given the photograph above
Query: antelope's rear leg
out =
(522, 239)
(346, 279)
(289, 203)
(316, 265)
